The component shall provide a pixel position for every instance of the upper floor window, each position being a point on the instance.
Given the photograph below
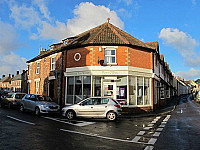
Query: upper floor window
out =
(38, 68)
(110, 56)
(53, 63)
(29, 70)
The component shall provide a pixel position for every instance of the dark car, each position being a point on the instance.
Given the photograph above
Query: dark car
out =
(12, 100)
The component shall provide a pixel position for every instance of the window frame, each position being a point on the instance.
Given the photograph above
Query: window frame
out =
(110, 56)
(37, 68)
(53, 63)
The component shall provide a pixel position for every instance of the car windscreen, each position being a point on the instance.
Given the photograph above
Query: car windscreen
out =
(19, 96)
(44, 98)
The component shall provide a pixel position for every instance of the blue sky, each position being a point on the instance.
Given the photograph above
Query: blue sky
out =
(26, 26)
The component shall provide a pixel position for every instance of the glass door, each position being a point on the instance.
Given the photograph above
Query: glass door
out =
(109, 89)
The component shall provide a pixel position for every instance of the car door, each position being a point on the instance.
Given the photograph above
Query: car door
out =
(25, 101)
(100, 106)
(86, 108)
(32, 102)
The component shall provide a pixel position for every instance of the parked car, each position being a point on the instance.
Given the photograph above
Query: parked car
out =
(40, 104)
(93, 107)
(12, 99)
(198, 96)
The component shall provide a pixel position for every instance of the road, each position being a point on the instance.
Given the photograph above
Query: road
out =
(26, 131)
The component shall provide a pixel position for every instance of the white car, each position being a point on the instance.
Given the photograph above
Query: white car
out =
(93, 107)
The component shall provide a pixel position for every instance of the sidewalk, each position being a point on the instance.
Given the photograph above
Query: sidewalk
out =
(161, 111)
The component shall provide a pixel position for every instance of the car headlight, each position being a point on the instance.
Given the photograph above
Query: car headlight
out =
(44, 106)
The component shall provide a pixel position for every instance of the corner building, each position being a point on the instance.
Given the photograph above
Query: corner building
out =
(106, 61)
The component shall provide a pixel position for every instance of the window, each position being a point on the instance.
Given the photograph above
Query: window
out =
(29, 73)
(110, 56)
(53, 63)
(51, 48)
(38, 68)
(65, 42)
(37, 87)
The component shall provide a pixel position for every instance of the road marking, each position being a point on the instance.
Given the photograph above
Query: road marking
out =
(136, 139)
(153, 122)
(156, 134)
(141, 133)
(161, 126)
(79, 124)
(152, 141)
(21, 120)
(148, 148)
(159, 129)
(150, 125)
(99, 136)
(147, 128)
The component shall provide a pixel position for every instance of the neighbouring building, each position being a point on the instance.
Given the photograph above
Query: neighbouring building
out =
(16, 82)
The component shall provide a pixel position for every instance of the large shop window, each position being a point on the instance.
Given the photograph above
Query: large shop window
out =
(139, 91)
(122, 90)
(97, 86)
(110, 56)
(78, 88)
(132, 90)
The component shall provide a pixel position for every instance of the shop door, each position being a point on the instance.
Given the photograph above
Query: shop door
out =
(109, 89)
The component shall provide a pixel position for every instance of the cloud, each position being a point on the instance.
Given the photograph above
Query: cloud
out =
(179, 40)
(191, 74)
(48, 31)
(87, 15)
(25, 17)
(8, 38)
(8, 66)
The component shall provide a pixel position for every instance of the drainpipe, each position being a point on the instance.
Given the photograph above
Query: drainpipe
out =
(61, 81)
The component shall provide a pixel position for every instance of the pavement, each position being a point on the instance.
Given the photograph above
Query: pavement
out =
(171, 106)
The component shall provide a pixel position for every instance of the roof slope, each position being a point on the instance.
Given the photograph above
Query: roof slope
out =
(105, 34)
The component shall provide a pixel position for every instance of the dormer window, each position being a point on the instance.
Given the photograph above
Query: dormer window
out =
(51, 48)
(65, 42)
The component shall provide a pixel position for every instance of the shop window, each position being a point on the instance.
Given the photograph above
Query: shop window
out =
(139, 91)
(146, 91)
(110, 56)
(86, 86)
(70, 89)
(78, 89)
(97, 86)
(122, 90)
(162, 93)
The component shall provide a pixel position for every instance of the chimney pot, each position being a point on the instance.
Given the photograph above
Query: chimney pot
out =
(17, 72)
(3, 75)
(9, 75)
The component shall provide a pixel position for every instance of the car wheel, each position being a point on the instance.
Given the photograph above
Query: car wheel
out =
(111, 116)
(37, 111)
(22, 108)
(70, 114)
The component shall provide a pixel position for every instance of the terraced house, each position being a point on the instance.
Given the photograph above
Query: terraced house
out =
(103, 61)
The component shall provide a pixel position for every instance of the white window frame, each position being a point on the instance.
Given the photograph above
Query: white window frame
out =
(53, 63)
(37, 87)
(29, 71)
(110, 56)
(37, 67)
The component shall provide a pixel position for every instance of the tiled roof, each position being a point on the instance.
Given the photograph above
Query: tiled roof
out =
(6, 79)
(105, 34)
(17, 77)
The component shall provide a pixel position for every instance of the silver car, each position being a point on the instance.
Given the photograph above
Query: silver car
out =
(12, 100)
(93, 107)
(40, 104)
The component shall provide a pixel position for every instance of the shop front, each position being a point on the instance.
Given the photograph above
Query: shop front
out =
(128, 85)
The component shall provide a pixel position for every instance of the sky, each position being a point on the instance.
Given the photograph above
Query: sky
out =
(26, 26)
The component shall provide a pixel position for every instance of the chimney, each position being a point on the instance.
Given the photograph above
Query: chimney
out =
(9, 75)
(17, 72)
(3, 76)
(23, 71)
(42, 51)
(13, 75)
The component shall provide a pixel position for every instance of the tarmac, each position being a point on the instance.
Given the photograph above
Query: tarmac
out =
(171, 106)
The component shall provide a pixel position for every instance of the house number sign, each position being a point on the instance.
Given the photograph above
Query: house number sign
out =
(77, 56)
